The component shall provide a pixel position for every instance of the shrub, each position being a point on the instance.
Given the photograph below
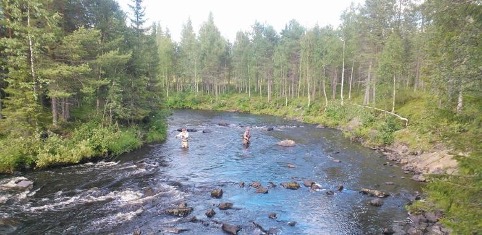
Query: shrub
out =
(124, 141)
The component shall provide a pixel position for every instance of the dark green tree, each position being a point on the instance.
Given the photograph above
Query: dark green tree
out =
(29, 29)
(212, 47)
(188, 58)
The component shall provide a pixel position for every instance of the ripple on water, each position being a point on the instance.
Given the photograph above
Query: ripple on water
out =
(133, 193)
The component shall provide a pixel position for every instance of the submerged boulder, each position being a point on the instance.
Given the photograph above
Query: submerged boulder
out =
(290, 185)
(376, 202)
(230, 229)
(262, 190)
(225, 205)
(180, 211)
(374, 192)
(223, 123)
(255, 184)
(187, 129)
(308, 183)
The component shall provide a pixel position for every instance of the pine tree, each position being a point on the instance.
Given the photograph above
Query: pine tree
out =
(31, 28)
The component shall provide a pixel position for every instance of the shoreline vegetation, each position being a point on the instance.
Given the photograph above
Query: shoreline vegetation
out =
(78, 142)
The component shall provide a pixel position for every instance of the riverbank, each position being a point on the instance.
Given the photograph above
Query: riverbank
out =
(76, 143)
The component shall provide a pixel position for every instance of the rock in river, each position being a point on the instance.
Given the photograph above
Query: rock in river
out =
(287, 143)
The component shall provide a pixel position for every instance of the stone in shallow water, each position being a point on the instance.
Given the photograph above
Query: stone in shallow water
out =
(225, 205)
(181, 212)
(24, 184)
(262, 190)
(376, 202)
(287, 143)
(217, 193)
(210, 213)
(291, 185)
(231, 229)
(374, 192)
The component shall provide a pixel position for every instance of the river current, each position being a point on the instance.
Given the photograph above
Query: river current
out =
(132, 193)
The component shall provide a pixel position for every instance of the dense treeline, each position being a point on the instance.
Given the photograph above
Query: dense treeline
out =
(402, 71)
(382, 48)
(78, 79)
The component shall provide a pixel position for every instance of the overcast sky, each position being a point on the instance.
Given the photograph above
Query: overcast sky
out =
(233, 16)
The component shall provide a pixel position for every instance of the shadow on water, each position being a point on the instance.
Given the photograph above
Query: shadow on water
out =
(134, 192)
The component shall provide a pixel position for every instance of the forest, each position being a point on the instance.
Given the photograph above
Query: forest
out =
(81, 79)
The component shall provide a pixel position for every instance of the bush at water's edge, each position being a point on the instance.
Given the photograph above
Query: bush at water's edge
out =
(458, 196)
(83, 142)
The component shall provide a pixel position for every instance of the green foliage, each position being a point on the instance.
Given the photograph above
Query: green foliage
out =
(336, 115)
(183, 100)
(17, 153)
(157, 127)
(387, 128)
(459, 196)
(85, 142)
(57, 151)
(124, 141)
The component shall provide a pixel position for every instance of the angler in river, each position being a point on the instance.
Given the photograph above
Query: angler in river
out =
(246, 137)
(184, 135)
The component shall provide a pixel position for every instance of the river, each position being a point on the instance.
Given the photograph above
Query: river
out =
(132, 193)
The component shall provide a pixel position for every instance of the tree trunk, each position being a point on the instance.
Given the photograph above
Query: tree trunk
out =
(54, 111)
(342, 73)
(334, 83)
(351, 80)
(32, 67)
(195, 77)
(65, 109)
(269, 90)
(366, 99)
(308, 83)
(374, 88)
(385, 111)
(299, 78)
(393, 98)
(249, 83)
(324, 87)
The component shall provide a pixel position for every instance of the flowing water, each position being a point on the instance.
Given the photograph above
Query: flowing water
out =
(132, 193)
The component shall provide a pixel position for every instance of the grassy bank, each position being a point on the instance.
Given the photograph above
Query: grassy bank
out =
(458, 196)
(77, 142)
(371, 127)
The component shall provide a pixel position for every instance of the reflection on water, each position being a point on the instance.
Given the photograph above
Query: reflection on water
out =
(133, 192)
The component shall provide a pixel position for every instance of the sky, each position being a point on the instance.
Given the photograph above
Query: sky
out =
(233, 16)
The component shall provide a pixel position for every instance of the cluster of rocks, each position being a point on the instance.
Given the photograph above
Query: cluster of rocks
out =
(419, 224)
(420, 164)
(182, 210)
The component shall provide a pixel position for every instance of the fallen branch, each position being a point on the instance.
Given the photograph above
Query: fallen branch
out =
(385, 111)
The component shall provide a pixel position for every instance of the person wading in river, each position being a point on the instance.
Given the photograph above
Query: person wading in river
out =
(184, 135)
(246, 137)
